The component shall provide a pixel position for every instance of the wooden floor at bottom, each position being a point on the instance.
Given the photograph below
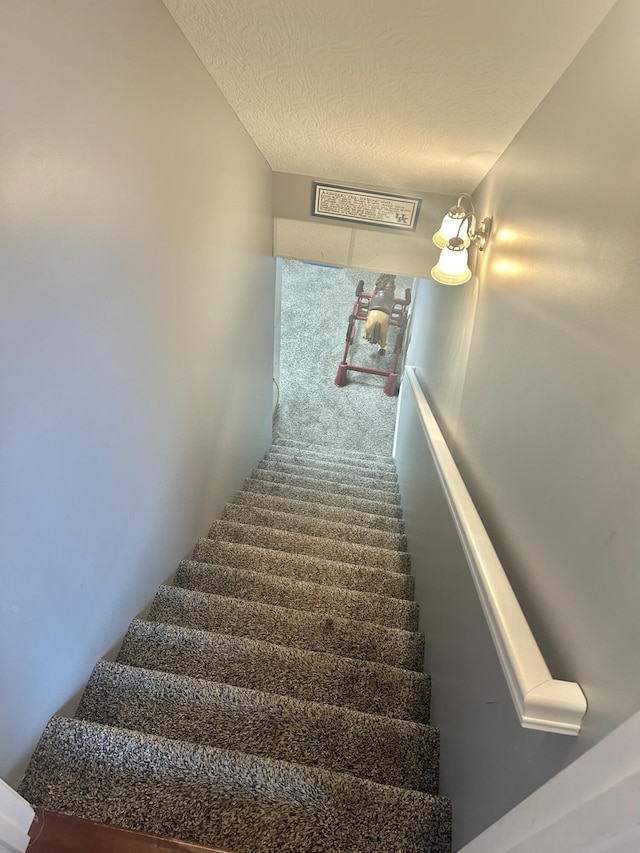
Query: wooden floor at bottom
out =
(58, 833)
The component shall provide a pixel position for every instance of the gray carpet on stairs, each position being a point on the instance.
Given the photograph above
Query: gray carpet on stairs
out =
(317, 510)
(318, 569)
(384, 470)
(243, 802)
(363, 454)
(273, 699)
(381, 478)
(302, 630)
(216, 714)
(271, 486)
(312, 526)
(355, 487)
(261, 665)
(317, 546)
(298, 594)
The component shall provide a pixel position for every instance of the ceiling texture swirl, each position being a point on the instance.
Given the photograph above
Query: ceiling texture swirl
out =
(417, 94)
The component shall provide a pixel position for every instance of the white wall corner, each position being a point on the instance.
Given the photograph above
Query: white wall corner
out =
(589, 807)
(16, 817)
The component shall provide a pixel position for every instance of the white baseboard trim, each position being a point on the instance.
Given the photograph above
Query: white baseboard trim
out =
(16, 817)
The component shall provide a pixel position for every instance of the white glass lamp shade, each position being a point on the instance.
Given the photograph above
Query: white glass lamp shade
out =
(453, 266)
(454, 220)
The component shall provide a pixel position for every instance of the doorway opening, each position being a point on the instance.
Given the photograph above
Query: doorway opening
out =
(315, 305)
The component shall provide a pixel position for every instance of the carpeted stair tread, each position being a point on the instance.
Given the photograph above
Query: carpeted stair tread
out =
(311, 526)
(286, 626)
(304, 567)
(339, 514)
(317, 677)
(290, 454)
(301, 595)
(385, 750)
(278, 461)
(330, 450)
(286, 490)
(335, 455)
(217, 797)
(316, 546)
(325, 482)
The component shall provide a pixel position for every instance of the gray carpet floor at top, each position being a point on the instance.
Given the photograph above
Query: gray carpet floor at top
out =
(316, 304)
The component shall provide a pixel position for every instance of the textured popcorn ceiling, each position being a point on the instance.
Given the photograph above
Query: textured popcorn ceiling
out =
(416, 94)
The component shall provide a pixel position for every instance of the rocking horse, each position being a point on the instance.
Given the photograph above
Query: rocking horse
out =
(379, 309)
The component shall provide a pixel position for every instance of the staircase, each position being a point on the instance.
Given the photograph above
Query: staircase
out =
(273, 700)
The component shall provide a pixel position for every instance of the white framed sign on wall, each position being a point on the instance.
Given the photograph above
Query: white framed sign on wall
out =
(365, 206)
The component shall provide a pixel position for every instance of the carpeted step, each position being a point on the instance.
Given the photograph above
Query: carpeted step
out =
(302, 595)
(346, 471)
(374, 688)
(332, 490)
(303, 567)
(297, 455)
(330, 450)
(330, 482)
(216, 797)
(274, 487)
(316, 546)
(341, 514)
(311, 526)
(190, 709)
(283, 625)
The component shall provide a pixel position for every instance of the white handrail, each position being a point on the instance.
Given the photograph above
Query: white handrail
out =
(542, 702)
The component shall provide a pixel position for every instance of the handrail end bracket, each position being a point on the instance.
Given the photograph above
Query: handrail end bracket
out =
(554, 706)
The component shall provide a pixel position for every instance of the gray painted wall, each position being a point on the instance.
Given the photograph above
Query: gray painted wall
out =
(533, 369)
(303, 237)
(136, 239)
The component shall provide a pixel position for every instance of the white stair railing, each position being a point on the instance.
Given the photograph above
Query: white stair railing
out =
(541, 702)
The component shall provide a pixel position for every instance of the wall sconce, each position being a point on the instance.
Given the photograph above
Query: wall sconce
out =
(458, 230)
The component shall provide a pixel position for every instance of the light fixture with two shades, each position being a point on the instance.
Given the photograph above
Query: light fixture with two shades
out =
(458, 231)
